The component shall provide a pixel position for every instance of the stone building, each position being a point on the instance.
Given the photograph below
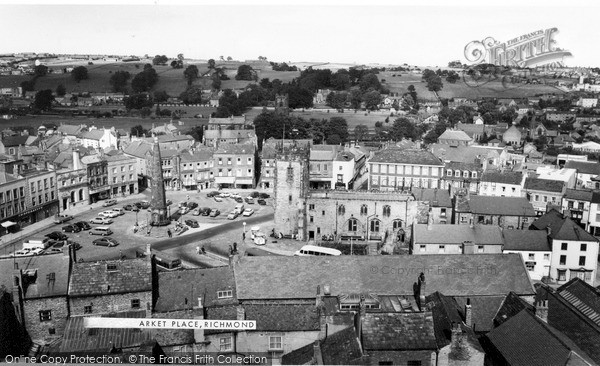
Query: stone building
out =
(234, 166)
(506, 212)
(196, 168)
(399, 169)
(122, 175)
(97, 173)
(268, 154)
(42, 195)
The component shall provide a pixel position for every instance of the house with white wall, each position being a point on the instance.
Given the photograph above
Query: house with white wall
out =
(534, 247)
(502, 184)
(99, 138)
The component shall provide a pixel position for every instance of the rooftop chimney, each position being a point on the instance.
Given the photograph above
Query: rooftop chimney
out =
(422, 288)
(76, 160)
(430, 221)
(468, 247)
(541, 310)
(468, 314)
(458, 343)
(241, 313)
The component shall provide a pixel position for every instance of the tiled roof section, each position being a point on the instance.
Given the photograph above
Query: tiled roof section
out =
(510, 307)
(545, 185)
(92, 159)
(79, 338)
(341, 348)
(344, 156)
(526, 340)
(324, 152)
(93, 134)
(180, 290)
(435, 197)
(454, 135)
(235, 149)
(584, 195)
(69, 129)
(227, 120)
(228, 312)
(561, 228)
(483, 310)
(584, 167)
(457, 234)
(405, 156)
(283, 317)
(526, 240)
(37, 273)
(398, 331)
(229, 134)
(16, 140)
(584, 297)
(301, 356)
(495, 176)
(265, 277)
(200, 153)
(464, 154)
(175, 337)
(505, 206)
(445, 312)
(118, 156)
(109, 277)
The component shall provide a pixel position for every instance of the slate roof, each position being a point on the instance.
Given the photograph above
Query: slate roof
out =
(483, 310)
(93, 134)
(227, 120)
(227, 312)
(505, 206)
(465, 154)
(229, 134)
(268, 277)
(200, 153)
(436, 197)
(16, 140)
(510, 307)
(41, 268)
(545, 185)
(405, 156)
(457, 234)
(525, 339)
(69, 129)
(79, 338)
(445, 312)
(179, 290)
(526, 240)
(138, 148)
(235, 149)
(340, 348)
(96, 278)
(579, 194)
(582, 296)
(584, 167)
(398, 331)
(495, 176)
(283, 317)
(324, 152)
(561, 228)
(454, 135)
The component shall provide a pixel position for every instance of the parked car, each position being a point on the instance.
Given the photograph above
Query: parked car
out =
(119, 210)
(71, 228)
(218, 199)
(224, 195)
(263, 195)
(214, 213)
(192, 205)
(53, 251)
(60, 244)
(59, 219)
(101, 230)
(196, 212)
(182, 204)
(143, 204)
(212, 194)
(235, 196)
(176, 215)
(109, 213)
(106, 242)
(83, 225)
(21, 253)
(249, 200)
(128, 207)
(184, 210)
(262, 202)
(57, 235)
(205, 211)
(169, 202)
(255, 194)
(248, 212)
(109, 203)
(232, 215)
(101, 220)
(37, 251)
(239, 200)
(192, 223)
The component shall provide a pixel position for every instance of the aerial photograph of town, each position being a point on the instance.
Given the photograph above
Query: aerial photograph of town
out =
(300, 183)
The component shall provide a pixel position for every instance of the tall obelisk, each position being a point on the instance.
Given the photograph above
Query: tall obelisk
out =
(159, 216)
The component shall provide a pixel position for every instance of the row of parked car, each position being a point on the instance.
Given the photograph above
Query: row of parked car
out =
(259, 197)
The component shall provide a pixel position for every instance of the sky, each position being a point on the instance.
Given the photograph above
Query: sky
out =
(427, 33)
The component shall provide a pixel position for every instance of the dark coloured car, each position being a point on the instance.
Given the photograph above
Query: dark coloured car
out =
(60, 244)
(192, 223)
(254, 194)
(143, 204)
(212, 194)
(239, 200)
(83, 225)
(128, 207)
(176, 215)
(214, 213)
(192, 205)
(262, 202)
(205, 211)
(263, 195)
(169, 202)
(71, 228)
(57, 235)
(106, 242)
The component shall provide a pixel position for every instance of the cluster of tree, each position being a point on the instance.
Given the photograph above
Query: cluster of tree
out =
(138, 101)
(246, 72)
(368, 92)
(160, 60)
(178, 64)
(433, 80)
(450, 75)
(490, 113)
(43, 100)
(139, 131)
(456, 64)
(40, 70)
(277, 125)
(192, 95)
(191, 73)
(145, 80)
(80, 73)
(562, 105)
(161, 96)
(118, 81)
(262, 58)
(283, 67)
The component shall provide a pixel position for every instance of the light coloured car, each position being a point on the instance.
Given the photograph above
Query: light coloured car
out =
(196, 212)
(232, 215)
(184, 210)
(37, 251)
(109, 213)
(224, 195)
(101, 220)
(248, 212)
(22, 252)
(53, 251)
(218, 199)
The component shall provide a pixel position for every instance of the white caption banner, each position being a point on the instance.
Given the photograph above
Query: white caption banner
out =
(151, 323)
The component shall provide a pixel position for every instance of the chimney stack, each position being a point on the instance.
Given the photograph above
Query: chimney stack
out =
(241, 313)
(199, 315)
(422, 288)
(458, 342)
(430, 221)
(541, 310)
(468, 314)
(76, 160)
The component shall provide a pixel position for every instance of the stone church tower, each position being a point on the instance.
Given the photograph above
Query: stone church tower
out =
(159, 216)
(291, 189)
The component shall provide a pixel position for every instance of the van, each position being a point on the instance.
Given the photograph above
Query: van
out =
(119, 210)
(310, 250)
(239, 208)
(101, 230)
(37, 243)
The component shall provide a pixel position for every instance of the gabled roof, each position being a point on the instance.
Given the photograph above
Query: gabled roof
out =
(561, 228)
(446, 313)
(505, 206)
(283, 317)
(200, 153)
(526, 240)
(69, 129)
(579, 194)
(406, 156)
(509, 177)
(511, 306)
(40, 269)
(584, 167)
(582, 296)
(139, 149)
(458, 135)
(457, 234)
(525, 339)
(546, 185)
(93, 134)
(483, 310)
(14, 141)
(180, 290)
(340, 348)
(398, 331)
(235, 149)
(324, 152)
(110, 277)
(435, 197)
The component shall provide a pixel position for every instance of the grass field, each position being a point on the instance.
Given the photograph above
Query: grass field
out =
(353, 119)
(400, 83)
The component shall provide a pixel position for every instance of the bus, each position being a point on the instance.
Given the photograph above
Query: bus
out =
(163, 261)
(310, 250)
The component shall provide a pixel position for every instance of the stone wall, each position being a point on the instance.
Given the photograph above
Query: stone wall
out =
(110, 303)
(40, 331)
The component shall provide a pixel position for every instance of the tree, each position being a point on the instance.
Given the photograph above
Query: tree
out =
(80, 73)
(435, 84)
(145, 80)
(197, 132)
(61, 90)
(452, 77)
(177, 64)
(336, 126)
(360, 132)
(229, 58)
(138, 131)
(244, 72)
(180, 57)
(413, 92)
(40, 70)
(337, 100)
(372, 100)
(118, 81)
(160, 60)
(299, 97)
(28, 85)
(355, 98)
(192, 95)
(404, 128)
(216, 82)
(191, 73)
(369, 81)
(432, 136)
(161, 96)
(43, 100)
(211, 64)
(138, 101)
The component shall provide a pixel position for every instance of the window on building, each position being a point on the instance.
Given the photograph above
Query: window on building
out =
(409, 363)
(570, 204)
(422, 248)
(531, 256)
(546, 256)
(323, 212)
(239, 160)
(220, 161)
(87, 309)
(311, 206)
(562, 260)
(387, 211)
(582, 260)
(457, 173)
(228, 161)
(480, 249)
(363, 209)
(564, 246)
(45, 315)
(397, 224)
(530, 266)
(474, 175)
(224, 294)
(352, 225)
(225, 344)
(449, 172)
(465, 174)
(562, 274)
(312, 219)
(375, 226)
(442, 249)
(275, 343)
(583, 247)
(341, 209)
(135, 303)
